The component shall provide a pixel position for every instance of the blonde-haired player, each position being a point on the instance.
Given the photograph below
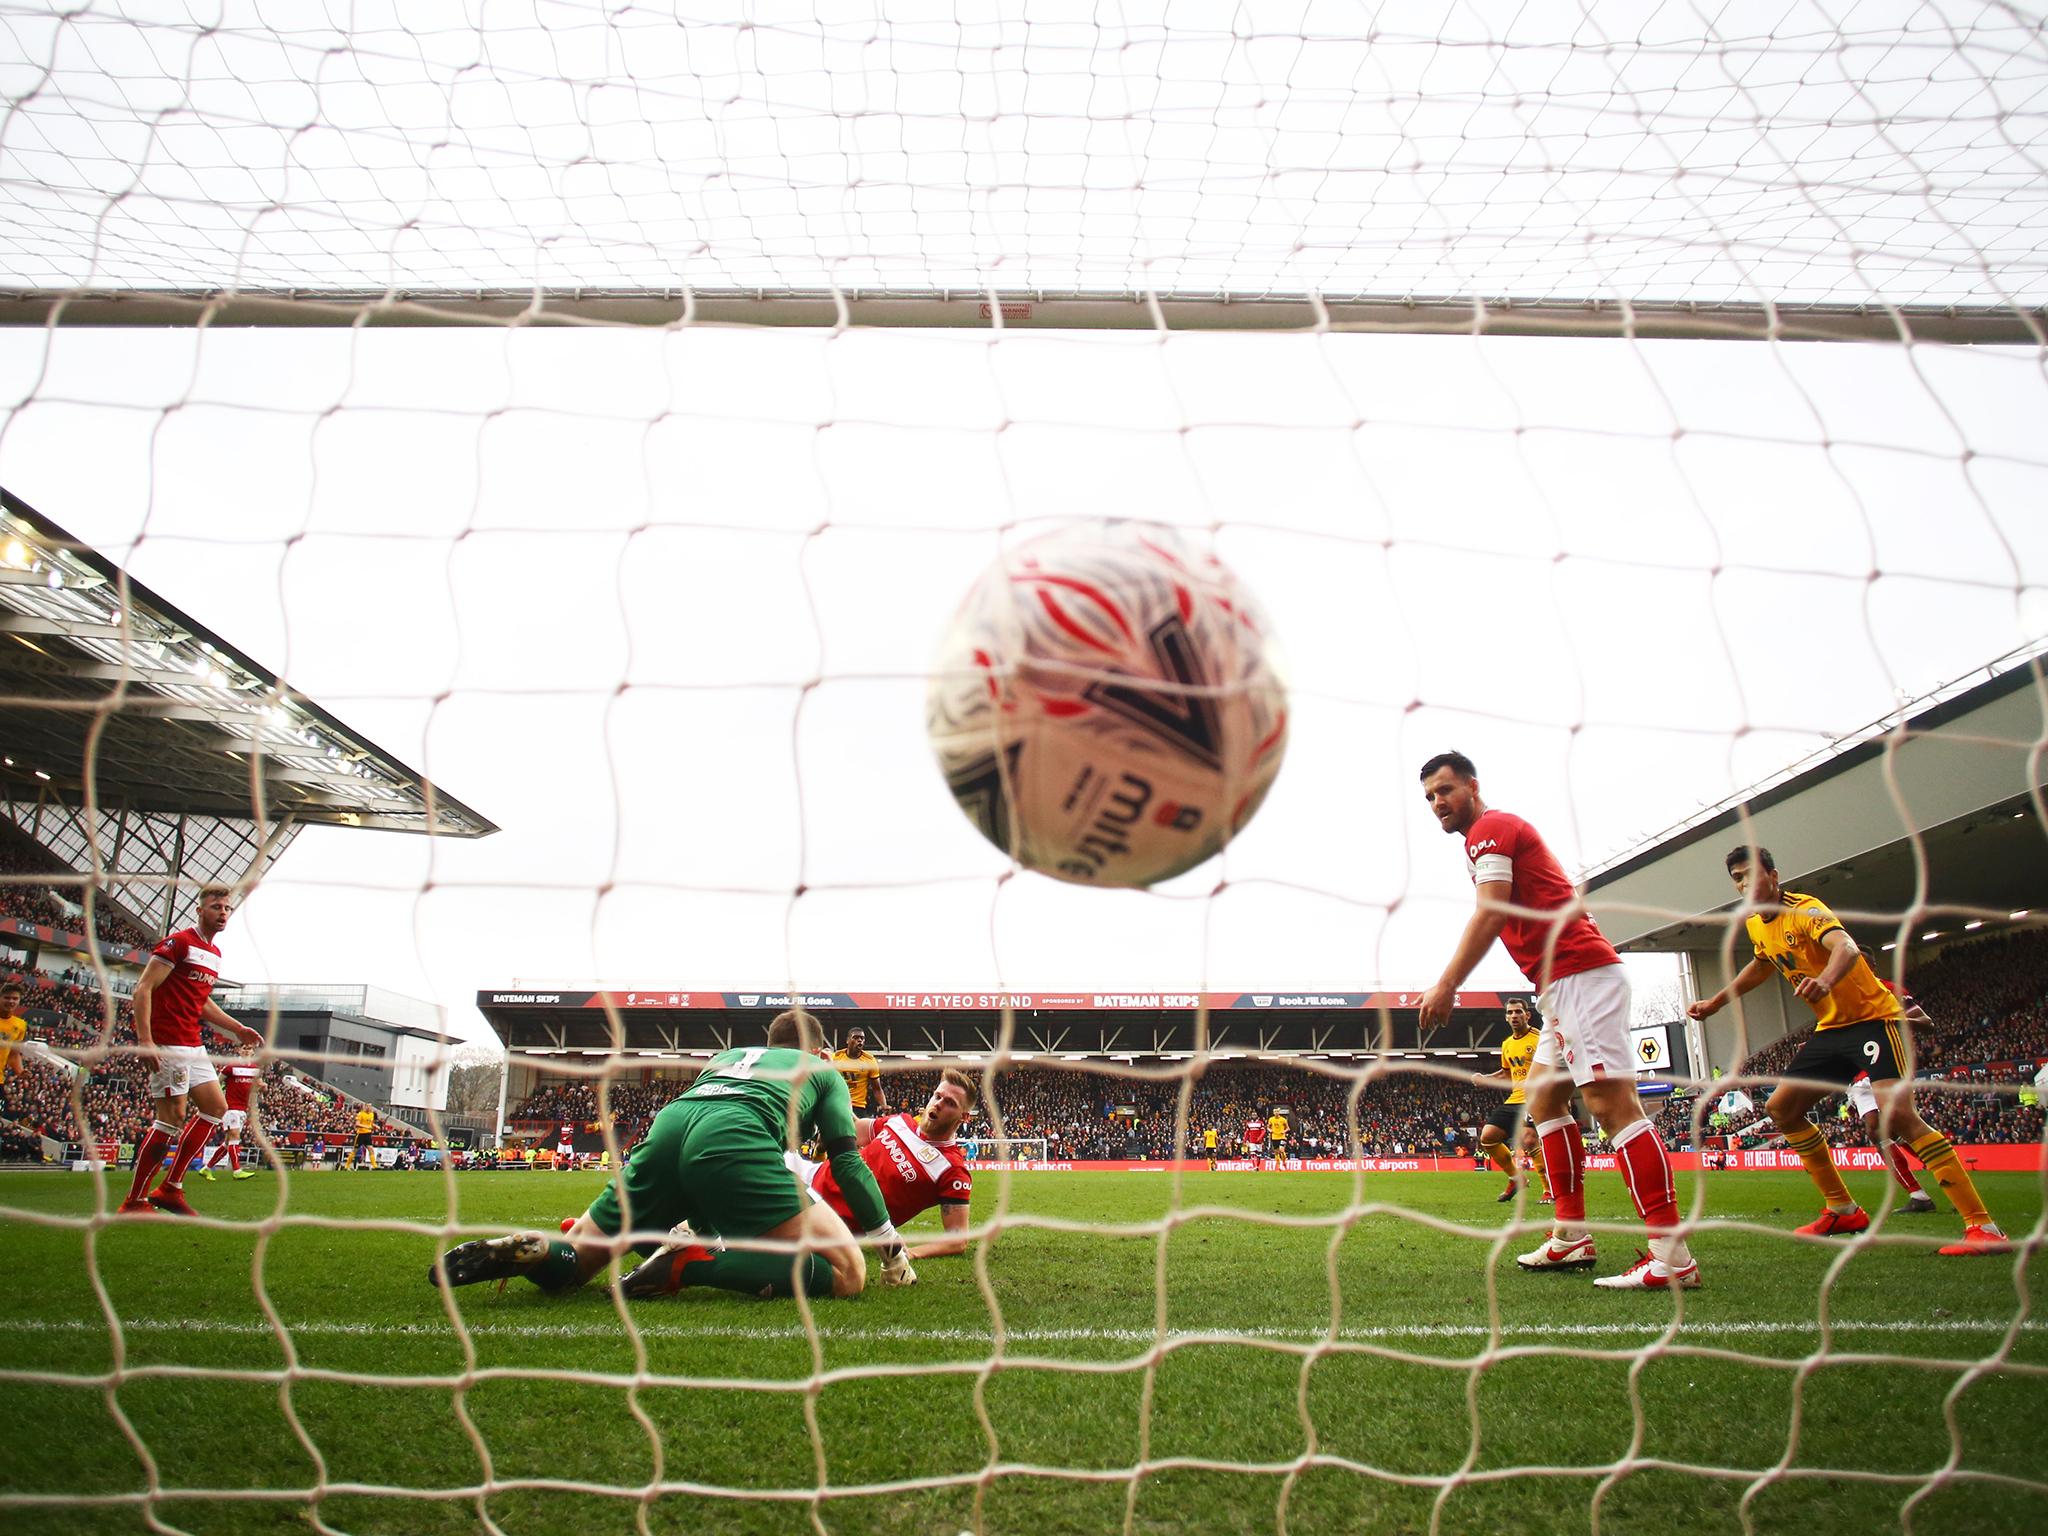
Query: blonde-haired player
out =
(1858, 1031)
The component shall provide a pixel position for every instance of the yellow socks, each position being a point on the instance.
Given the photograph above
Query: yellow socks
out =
(1939, 1154)
(1503, 1159)
(1812, 1148)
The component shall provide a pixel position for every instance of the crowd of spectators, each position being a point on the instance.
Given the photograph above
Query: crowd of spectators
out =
(114, 1086)
(1987, 999)
(40, 903)
(117, 1103)
(1986, 1003)
(1084, 1113)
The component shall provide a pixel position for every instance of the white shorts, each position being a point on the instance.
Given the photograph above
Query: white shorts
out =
(1585, 1027)
(180, 1069)
(1862, 1098)
(233, 1121)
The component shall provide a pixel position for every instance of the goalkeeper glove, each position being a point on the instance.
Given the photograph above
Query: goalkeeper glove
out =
(896, 1268)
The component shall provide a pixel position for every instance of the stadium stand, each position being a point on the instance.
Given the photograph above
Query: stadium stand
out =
(41, 904)
(116, 1103)
(1988, 998)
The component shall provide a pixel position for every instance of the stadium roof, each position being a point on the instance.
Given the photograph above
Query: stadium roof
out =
(107, 689)
(1933, 812)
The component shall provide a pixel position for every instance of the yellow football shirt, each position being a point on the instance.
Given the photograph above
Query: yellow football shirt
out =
(1516, 1055)
(1276, 1127)
(861, 1074)
(366, 1122)
(1209, 1138)
(1790, 939)
(13, 1030)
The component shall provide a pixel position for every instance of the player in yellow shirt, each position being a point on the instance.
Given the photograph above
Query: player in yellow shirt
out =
(1859, 1028)
(1276, 1137)
(13, 1030)
(1510, 1118)
(366, 1127)
(1209, 1146)
(863, 1075)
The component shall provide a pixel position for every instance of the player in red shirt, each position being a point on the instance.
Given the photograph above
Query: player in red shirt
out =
(1526, 902)
(172, 999)
(1255, 1139)
(240, 1080)
(917, 1164)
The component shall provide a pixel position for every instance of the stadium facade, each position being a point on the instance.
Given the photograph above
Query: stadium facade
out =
(1924, 828)
(145, 757)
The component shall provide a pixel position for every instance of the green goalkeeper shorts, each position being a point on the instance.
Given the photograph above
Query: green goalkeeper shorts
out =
(712, 1165)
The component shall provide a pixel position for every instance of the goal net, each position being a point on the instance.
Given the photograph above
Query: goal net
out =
(594, 415)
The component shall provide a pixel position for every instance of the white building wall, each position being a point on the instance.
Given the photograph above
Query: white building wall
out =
(419, 1073)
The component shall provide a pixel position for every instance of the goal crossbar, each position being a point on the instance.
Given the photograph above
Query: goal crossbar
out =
(1672, 319)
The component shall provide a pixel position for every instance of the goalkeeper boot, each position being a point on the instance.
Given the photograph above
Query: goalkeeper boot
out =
(489, 1258)
(170, 1201)
(1560, 1252)
(662, 1275)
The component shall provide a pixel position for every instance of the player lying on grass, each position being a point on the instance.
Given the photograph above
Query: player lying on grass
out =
(917, 1164)
(1525, 901)
(1858, 1031)
(714, 1158)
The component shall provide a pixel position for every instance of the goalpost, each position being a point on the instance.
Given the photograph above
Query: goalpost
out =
(612, 404)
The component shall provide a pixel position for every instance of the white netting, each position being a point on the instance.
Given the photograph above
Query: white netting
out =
(1885, 154)
(660, 601)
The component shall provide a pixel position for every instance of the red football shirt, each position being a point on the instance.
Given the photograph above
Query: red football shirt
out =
(180, 999)
(1254, 1131)
(914, 1172)
(240, 1078)
(1502, 846)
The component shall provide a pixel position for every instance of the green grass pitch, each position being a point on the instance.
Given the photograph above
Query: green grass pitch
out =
(1417, 1410)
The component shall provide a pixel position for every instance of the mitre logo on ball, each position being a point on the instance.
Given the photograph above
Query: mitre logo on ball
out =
(1105, 706)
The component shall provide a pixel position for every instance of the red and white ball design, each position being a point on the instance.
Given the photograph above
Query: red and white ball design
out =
(1105, 706)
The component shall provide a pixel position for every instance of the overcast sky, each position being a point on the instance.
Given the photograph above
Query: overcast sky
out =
(660, 604)
(628, 593)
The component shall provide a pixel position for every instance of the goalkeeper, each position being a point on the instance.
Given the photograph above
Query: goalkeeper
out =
(713, 1158)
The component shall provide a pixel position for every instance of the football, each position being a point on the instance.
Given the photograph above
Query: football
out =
(1105, 705)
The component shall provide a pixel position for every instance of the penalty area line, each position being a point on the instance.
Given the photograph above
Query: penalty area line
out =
(886, 1333)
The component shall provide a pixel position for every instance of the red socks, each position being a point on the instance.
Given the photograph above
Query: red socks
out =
(198, 1129)
(1896, 1156)
(1647, 1172)
(1564, 1165)
(149, 1156)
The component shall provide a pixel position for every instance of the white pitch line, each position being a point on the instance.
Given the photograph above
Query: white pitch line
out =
(886, 1333)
